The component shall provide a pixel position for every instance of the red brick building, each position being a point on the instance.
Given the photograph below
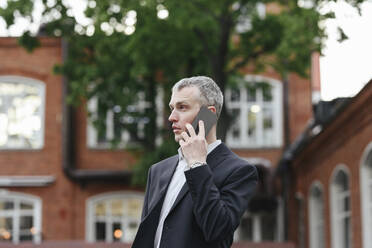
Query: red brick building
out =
(330, 168)
(59, 181)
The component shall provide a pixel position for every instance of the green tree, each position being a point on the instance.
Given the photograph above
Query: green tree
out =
(129, 46)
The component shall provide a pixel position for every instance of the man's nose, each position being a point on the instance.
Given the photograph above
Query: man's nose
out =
(172, 117)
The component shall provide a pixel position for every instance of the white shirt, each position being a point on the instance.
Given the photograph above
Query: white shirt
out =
(174, 188)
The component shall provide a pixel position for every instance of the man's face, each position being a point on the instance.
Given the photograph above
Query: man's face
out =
(185, 105)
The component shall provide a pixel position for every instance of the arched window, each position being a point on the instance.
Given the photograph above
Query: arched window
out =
(366, 195)
(20, 217)
(256, 108)
(113, 217)
(316, 216)
(22, 103)
(341, 209)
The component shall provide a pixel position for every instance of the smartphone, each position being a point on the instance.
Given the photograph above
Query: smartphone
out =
(208, 117)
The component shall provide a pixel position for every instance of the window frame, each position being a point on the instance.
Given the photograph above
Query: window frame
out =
(243, 106)
(17, 198)
(366, 196)
(91, 218)
(314, 223)
(92, 134)
(336, 229)
(42, 92)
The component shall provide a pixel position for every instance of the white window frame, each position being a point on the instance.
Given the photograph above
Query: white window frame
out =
(91, 219)
(92, 134)
(17, 198)
(314, 223)
(366, 196)
(335, 197)
(244, 107)
(41, 87)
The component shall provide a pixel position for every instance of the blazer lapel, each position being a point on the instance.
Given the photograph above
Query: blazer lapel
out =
(180, 196)
(164, 180)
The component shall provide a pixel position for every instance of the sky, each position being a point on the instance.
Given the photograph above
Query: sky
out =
(344, 67)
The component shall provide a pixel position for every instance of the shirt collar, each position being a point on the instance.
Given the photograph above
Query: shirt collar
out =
(210, 148)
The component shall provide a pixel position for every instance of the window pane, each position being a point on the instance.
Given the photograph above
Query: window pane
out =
(267, 92)
(268, 131)
(268, 119)
(116, 232)
(117, 208)
(346, 232)
(235, 95)
(100, 231)
(252, 123)
(20, 115)
(6, 205)
(100, 209)
(26, 222)
(347, 203)
(131, 230)
(6, 228)
(246, 229)
(134, 208)
(25, 237)
(341, 181)
(26, 206)
(251, 93)
(236, 123)
(6, 223)
(268, 224)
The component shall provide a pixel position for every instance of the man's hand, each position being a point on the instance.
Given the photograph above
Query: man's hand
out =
(194, 146)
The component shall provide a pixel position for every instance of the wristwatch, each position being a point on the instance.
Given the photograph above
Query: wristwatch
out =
(196, 164)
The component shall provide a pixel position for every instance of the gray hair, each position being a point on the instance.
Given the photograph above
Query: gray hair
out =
(210, 93)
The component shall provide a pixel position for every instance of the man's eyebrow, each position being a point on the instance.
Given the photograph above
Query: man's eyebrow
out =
(177, 103)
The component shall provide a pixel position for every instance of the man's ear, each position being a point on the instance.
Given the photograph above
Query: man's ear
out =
(212, 109)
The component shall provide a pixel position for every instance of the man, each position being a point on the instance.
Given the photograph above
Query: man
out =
(196, 198)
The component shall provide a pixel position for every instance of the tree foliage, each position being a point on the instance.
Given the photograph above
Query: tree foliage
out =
(129, 46)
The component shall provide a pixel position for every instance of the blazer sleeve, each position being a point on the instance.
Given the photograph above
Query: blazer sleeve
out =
(218, 211)
(145, 207)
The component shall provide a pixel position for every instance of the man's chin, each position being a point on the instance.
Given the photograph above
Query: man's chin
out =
(177, 137)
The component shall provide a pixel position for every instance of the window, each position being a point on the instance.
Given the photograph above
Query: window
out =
(316, 216)
(340, 209)
(22, 103)
(366, 195)
(113, 217)
(258, 227)
(20, 217)
(256, 109)
(122, 130)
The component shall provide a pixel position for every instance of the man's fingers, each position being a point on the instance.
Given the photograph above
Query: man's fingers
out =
(190, 129)
(201, 129)
(185, 136)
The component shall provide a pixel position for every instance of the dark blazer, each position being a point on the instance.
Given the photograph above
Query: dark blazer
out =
(208, 208)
